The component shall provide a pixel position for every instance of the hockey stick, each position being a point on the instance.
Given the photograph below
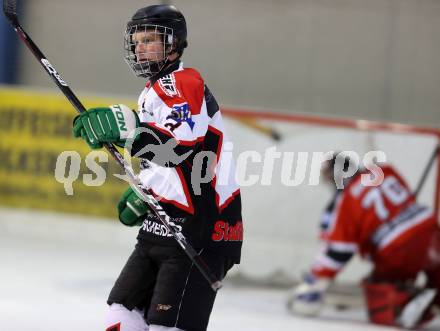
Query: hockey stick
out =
(426, 170)
(10, 10)
(255, 125)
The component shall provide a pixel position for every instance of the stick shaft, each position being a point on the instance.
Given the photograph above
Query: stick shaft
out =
(426, 170)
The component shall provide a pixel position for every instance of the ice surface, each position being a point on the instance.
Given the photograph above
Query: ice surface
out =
(56, 272)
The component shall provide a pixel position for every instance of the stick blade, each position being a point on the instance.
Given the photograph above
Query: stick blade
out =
(10, 9)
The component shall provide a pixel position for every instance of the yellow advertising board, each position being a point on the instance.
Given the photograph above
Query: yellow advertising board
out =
(35, 129)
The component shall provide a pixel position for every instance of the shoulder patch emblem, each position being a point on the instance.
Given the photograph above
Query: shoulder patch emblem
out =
(168, 85)
(180, 113)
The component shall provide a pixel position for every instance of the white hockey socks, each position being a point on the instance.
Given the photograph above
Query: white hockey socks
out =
(119, 318)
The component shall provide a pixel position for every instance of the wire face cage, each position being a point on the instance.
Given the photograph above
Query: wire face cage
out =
(146, 48)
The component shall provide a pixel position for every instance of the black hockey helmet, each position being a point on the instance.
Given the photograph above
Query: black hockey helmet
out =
(163, 15)
(333, 169)
(341, 160)
(165, 20)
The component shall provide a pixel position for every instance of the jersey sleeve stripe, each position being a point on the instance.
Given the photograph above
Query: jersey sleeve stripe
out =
(341, 257)
(328, 262)
(403, 227)
(228, 200)
(343, 247)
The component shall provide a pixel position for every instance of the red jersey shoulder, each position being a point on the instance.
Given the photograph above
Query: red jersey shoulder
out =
(182, 86)
(358, 185)
(189, 76)
(389, 171)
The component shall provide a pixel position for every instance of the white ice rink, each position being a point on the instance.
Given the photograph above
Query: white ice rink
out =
(56, 272)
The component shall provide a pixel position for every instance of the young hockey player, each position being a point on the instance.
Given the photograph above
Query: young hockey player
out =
(159, 288)
(385, 224)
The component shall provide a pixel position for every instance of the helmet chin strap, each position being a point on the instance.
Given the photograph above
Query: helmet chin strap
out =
(165, 65)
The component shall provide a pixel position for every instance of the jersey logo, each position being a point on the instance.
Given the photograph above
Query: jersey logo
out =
(162, 307)
(121, 119)
(180, 114)
(159, 229)
(223, 231)
(168, 84)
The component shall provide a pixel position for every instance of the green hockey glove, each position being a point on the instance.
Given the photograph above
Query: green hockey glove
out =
(132, 209)
(114, 124)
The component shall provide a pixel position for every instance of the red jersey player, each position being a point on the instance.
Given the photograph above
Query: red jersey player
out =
(385, 224)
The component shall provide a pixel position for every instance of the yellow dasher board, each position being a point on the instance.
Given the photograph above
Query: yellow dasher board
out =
(35, 129)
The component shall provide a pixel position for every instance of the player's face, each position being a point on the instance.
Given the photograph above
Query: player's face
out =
(149, 46)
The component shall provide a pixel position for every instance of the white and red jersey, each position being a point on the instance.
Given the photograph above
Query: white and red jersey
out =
(181, 121)
(368, 220)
